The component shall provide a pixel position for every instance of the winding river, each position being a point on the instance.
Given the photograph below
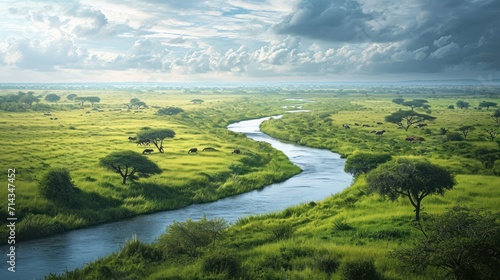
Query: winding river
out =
(323, 175)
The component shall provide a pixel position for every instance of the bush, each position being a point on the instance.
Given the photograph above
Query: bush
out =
(359, 269)
(283, 231)
(327, 263)
(361, 162)
(222, 263)
(454, 136)
(56, 185)
(189, 236)
(169, 111)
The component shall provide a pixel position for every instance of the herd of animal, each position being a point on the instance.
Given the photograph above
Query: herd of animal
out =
(148, 151)
(381, 132)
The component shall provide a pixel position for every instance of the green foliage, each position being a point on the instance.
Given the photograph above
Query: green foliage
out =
(486, 156)
(465, 130)
(190, 236)
(156, 136)
(398, 100)
(496, 116)
(282, 231)
(463, 242)
(169, 111)
(416, 103)
(363, 162)
(90, 99)
(411, 178)
(56, 185)
(52, 97)
(454, 136)
(127, 163)
(405, 119)
(487, 104)
(71, 96)
(220, 262)
(359, 269)
(135, 248)
(462, 104)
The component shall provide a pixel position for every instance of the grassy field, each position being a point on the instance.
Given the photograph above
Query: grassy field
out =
(76, 137)
(321, 240)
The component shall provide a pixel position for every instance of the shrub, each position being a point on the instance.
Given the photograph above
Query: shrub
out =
(327, 263)
(222, 263)
(56, 185)
(169, 111)
(189, 236)
(454, 136)
(361, 162)
(359, 269)
(282, 231)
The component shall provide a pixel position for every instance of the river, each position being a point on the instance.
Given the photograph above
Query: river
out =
(323, 175)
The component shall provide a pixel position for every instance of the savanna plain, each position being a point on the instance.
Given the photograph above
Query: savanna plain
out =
(61, 148)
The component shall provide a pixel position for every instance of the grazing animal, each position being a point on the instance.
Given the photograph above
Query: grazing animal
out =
(88, 112)
(379, 132)
(410, 139)
(147, 151)
(130, 138)
(356, 124)
(193, 150)
(366, 125)
(207, 149)
(51, 118)
(236, 151)
(55, 118)
(47, 114)
(380, 123)
(144, 142)
(346, 126)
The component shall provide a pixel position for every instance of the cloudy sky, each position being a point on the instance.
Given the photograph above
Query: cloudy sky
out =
(251, 40)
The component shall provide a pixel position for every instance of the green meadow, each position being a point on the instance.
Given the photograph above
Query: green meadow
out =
(355, 231)
(75, 137)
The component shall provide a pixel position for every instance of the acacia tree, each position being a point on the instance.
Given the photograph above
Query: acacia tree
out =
(156, 136)
(487, 104)
(462, 242)
(411, 178)
(415, 103)
(29, 98)
(128, 163)
(466, 130)
(405, 119)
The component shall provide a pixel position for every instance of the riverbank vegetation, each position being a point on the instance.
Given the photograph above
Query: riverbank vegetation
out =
(356, 234)
(90, 140)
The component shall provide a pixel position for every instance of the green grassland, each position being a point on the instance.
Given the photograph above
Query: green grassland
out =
(318, 240)
(81, 135)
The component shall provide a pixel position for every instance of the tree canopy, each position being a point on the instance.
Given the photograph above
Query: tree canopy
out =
(462, 242)
(169, 111)
(412, 178)
(406, 119)
(362, 162)
(128, 163)
(487, 104)
(71, 96)
(496, 116)
(90, 99)
(462, 104)
(52, 97)
(156, 136)
(416, 103)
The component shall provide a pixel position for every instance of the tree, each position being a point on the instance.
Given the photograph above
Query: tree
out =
(57, 186)
(71, 96)
(465, 130)
(496, 116)
(361, 162)
(487, 104)
(189, 236)
(492, 133)
(93, 99)
(197, 101)
(463, 242)
(409, 117)
(416, 103)
(156, 136)
(486, 156)
(398, 100)
(169, 111)
(462, 104)
(29, 98)
(128, 163)
(52, 97)
(411, 178)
